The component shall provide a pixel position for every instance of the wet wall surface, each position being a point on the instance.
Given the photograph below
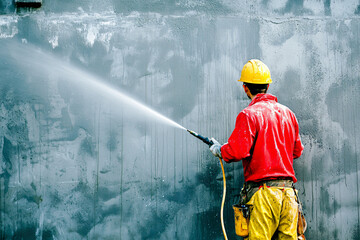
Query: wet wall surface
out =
(77, 163)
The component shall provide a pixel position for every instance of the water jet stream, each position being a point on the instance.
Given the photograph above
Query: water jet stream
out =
(32, 58)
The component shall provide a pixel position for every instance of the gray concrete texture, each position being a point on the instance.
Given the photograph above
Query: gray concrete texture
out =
(77, 163)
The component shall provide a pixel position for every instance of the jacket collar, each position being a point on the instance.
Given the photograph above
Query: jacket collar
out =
(263, 97)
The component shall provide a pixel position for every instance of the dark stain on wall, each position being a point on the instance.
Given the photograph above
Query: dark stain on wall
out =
(206, 224)
(296, 7)
(6, 6)
(182, 196)
(356, 232)
(158, 222)
(8, 151)
(84, 216)
(357, 10)
(327, 7)
(26, 232)
(112, 143)
(329, 205)
(88, 146)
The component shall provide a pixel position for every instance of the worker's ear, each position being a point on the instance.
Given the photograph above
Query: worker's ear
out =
(247, 91)
(245, 87)
(268, 87)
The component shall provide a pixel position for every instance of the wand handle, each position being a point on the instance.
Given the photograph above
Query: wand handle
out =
(202, 138)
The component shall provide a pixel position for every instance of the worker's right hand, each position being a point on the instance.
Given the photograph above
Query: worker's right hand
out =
(216, 148)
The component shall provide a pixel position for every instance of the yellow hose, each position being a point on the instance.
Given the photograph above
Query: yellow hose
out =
(223, 201)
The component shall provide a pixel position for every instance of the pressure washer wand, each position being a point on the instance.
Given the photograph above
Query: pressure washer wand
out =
(202, 138)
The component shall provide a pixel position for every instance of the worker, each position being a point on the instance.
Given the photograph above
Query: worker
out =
(266, 139)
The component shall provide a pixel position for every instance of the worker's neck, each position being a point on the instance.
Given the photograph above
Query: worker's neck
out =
(250, 96)
(253, 96)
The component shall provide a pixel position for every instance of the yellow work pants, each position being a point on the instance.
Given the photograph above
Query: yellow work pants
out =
(273, 214)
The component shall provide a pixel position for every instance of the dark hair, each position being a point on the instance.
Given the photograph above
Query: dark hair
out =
(257, 88)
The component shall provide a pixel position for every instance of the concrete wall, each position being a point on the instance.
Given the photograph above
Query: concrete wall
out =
(78, 164)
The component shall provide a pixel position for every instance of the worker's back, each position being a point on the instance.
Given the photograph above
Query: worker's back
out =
(275, 141)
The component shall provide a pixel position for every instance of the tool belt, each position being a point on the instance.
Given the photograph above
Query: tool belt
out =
(250, 188)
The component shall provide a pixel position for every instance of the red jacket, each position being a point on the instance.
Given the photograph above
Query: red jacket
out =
(266, 138)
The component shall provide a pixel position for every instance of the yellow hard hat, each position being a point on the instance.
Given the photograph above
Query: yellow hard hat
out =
(255, 72)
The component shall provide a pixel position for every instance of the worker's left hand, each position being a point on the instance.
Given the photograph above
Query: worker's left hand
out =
(216, 148)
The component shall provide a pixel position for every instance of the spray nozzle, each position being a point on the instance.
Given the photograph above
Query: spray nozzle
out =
(202, 138)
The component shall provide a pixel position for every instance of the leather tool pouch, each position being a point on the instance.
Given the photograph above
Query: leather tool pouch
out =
(302, 225)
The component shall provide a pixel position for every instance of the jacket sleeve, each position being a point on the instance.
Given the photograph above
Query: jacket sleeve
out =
(241, 140)
(298, 147)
